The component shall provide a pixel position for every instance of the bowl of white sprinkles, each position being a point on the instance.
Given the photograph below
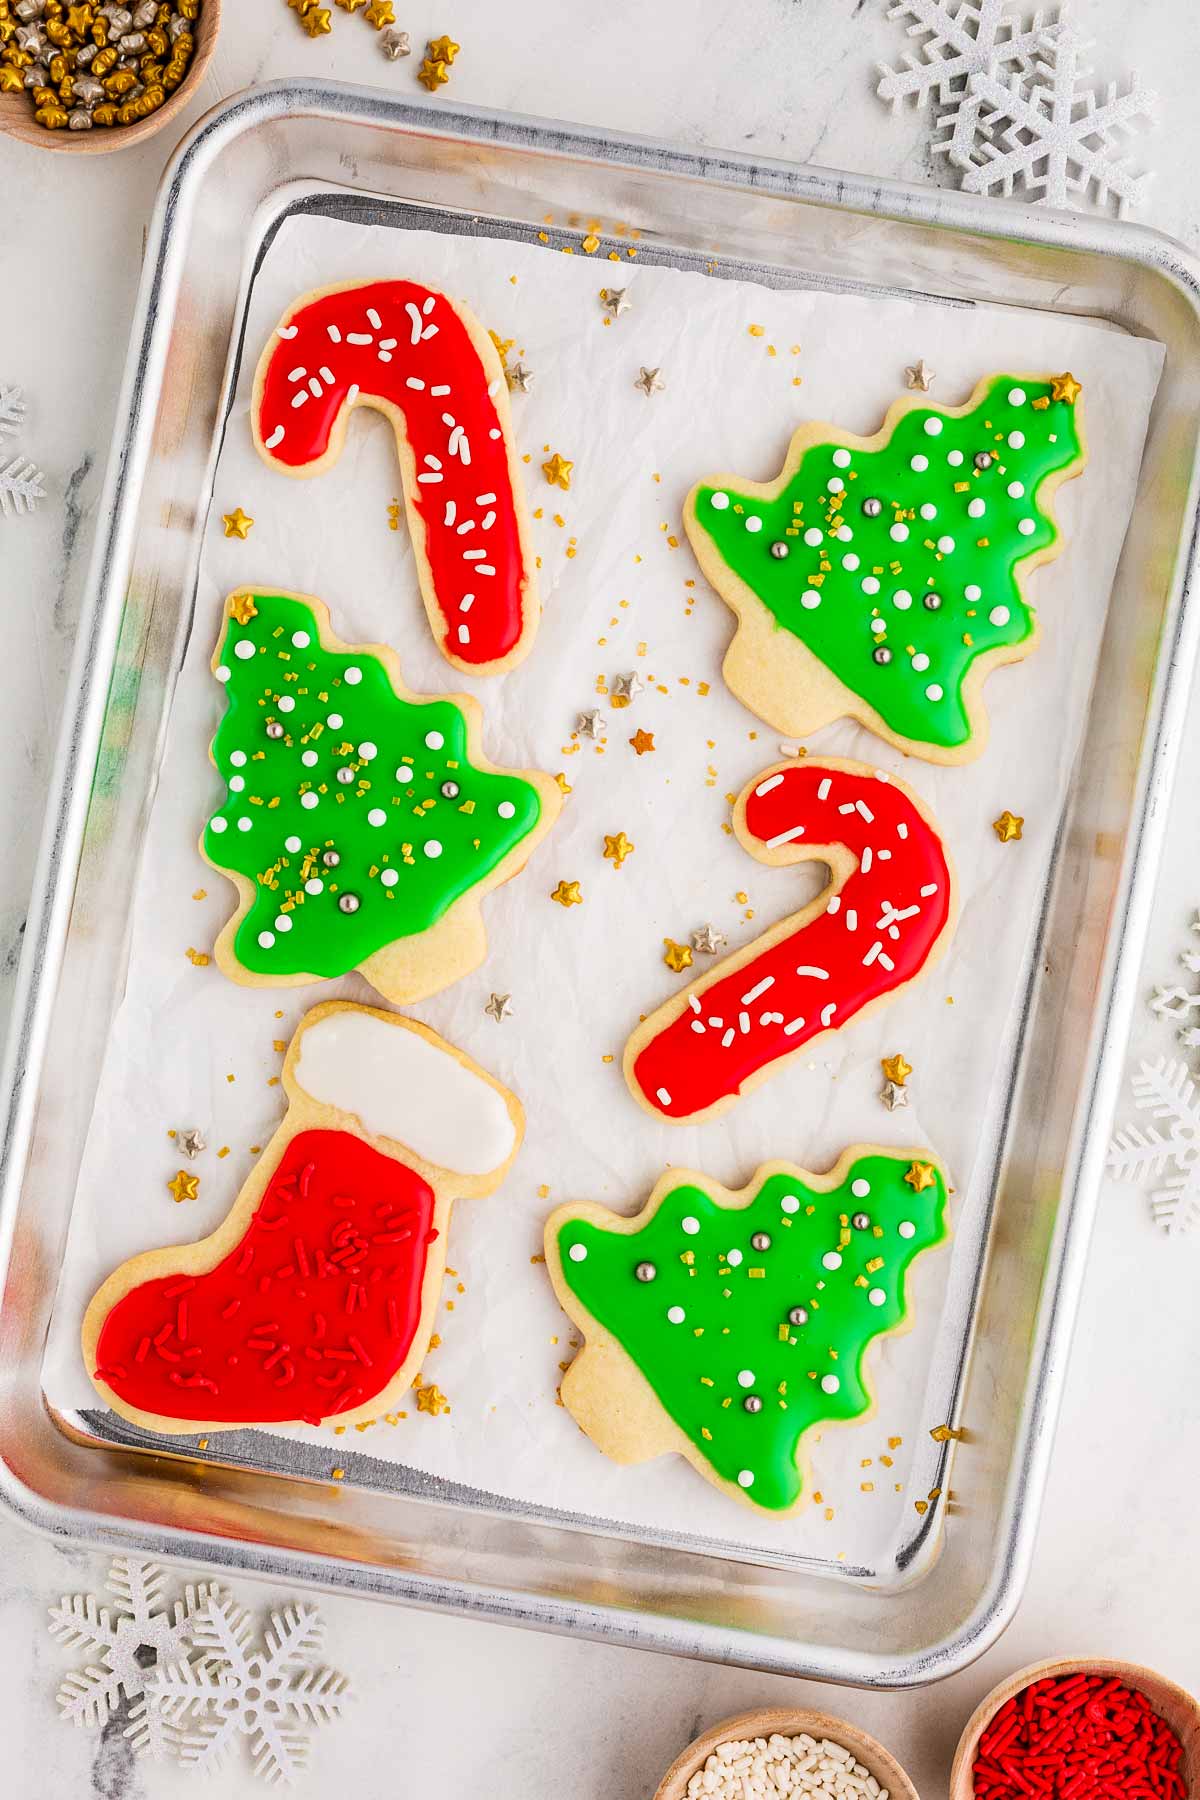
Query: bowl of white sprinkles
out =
(777, 1754)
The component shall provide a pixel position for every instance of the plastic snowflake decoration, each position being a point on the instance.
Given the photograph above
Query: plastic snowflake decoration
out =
(970, 38)
(1050, 137)
(1145, 1154)
(20, 480)
(132, 1640)
(233, 1688)
(1177, 1002)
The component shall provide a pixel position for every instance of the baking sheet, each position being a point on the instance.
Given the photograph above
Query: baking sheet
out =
(617, 596)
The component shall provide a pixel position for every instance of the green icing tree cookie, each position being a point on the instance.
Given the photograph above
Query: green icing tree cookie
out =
(876, 578)
(361, 824)
(726, 1325)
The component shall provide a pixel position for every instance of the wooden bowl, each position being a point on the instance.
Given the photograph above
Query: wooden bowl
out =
(787, 1723)
(16, 113)
(1172, 1703)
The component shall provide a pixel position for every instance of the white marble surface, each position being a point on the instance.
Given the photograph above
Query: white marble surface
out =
(1115, 1569)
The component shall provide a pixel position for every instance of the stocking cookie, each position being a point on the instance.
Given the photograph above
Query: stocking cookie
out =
(362, 824)
(315, 1298)
(876, 578)
(425, 362)
(884, 919)
(724, 1326)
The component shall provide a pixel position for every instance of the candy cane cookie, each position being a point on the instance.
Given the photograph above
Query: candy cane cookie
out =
(884, 919)
(421, 359)
(315, 1298)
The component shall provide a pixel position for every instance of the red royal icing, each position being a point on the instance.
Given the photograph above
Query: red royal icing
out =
(404, 344)
(875, 930)
(310, 1314)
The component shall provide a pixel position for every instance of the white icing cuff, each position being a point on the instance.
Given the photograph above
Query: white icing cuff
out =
(401, 1086)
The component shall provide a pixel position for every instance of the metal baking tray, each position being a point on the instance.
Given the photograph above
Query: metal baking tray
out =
(357, 153)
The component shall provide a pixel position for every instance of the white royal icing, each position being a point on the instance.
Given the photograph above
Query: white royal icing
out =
(400, 1086)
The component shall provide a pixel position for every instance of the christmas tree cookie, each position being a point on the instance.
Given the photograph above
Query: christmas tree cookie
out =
(315, 1298)
(877, 578)
(725, 1326)
(361, 824)
(428, 365)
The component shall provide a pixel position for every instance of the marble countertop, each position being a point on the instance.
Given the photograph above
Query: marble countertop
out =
(1115, 1569)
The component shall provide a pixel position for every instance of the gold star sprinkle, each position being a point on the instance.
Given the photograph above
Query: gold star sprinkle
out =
(650, 381)
(380, 13)
(567, 894)
(442, 49)
(316, 21)
(1065, 387)
(519, 378)
(895, 1068)
(1008, 826)
(921, 1176)
(921, 376)
(237, 523)
(432, 75)
(558, 471)
(642, 741)
(677, 957)
(350, 6)
(430, 1398)
(242, 609)
(616, 849)
(499, 1007)
(184, 1186)
(615, 301)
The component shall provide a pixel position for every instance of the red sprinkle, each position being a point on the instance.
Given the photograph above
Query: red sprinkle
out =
(1078, 1737)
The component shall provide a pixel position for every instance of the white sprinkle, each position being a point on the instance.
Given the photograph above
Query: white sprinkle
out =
(358, 337)
(283, 922)
(690, 1225)
(898, 531)
(442, 388)
(773, 781)
(758, 990)
(851, 918)
(934, 691)
(238, 758)
(841, 459)
(945, 545)
(693, 1003)
(902, 599)
(314, 885)
(578, 1253)
(388, 343)
(432, 849)
(860, 1188)
(464, 634)
(374, 318)
(972, 592)
(719, 502)
(850, 562)
(432, 462)
(823, 788)
(292, 844)
(835, 904)
(295, 375)
(245, 824)
(728, 1037)
(1016, 396)
(676, 1315)
(745, 1377)
(487, 521)
(495, 432)
(217, 825)
(745, 1478)
(861, 807)
(300, 399)
(389, 878)
(999, 615)
(506, 809)
(753, 522)
(236, 783)
(1016, 490)
(931, 887)
(301, 640)
(835, 484)
(877, 1296)
(785, 837)
(243, 649)
(831, 1260)
(286, 703)
(276, 437)
(326, 374)
(697, 1025)
(662, 1096)
(335, 337)
(788, 1203)
(1016, 440)
(287, 331)
(414, 381)
(309, 800)
(813, 536)
(432, 331)
(827, 1013)
(377, 816)
(933, 427)
(334, 721)
(744, 1022)
(1026, 526)
(434, 740)
(976, 509)
(830, 1384)
(868, 856)
(907, 1229)
(473, 555)
(427, 305)
(955, 458)
(870, 584)
(734, 1258)
(484, 569)
(929, 510)
(902, 830)
(920, 662)
(450, 513)
(873, 953)
(812, 970)
(792, 1027)
(352, 393)
(485, 499)
(466, 603)
(309, 759)
(810, 600)
(266, 939)
(404, 772)
(919, 463)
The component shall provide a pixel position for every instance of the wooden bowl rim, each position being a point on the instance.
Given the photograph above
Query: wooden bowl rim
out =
(1141, 1676)
(788, 1722)
(16, 121)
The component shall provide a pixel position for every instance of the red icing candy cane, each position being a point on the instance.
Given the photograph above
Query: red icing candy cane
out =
(421, 359)
(309, 1315)
(881, 922)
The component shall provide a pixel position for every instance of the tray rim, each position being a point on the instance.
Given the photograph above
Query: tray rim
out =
(68, 797)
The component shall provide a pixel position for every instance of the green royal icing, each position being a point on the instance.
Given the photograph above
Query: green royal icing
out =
(869, 592)
(733, 1315)
(406, 850)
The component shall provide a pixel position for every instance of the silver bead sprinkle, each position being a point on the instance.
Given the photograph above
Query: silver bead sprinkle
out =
(645, 1271)
(872, 507)
(752, 1403)
(780, 550)
(761, 1240)
(881, 654)
(931, 602)
(348, 903)
(798, 1315)
(330, 860)
(345, 775)
(983, 459)
(274, 729)
(861, 1221)
(449, 790)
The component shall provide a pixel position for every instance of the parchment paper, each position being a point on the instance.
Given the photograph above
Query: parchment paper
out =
(620, 592)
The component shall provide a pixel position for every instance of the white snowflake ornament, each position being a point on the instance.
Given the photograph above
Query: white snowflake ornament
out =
(132, 1640)
(961, 40)
(1051, 138)
(12, 409)
(1145, 1154)
(232, 1688)
(20, 480)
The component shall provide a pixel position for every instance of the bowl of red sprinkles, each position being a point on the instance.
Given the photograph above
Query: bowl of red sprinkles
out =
(1081, 1729)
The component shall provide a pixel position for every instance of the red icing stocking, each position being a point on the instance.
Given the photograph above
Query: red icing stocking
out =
(315, 1298)
(421, 359)
(881, 922)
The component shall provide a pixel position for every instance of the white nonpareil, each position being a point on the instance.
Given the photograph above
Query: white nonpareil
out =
(401, 1086)
(765, 1768)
